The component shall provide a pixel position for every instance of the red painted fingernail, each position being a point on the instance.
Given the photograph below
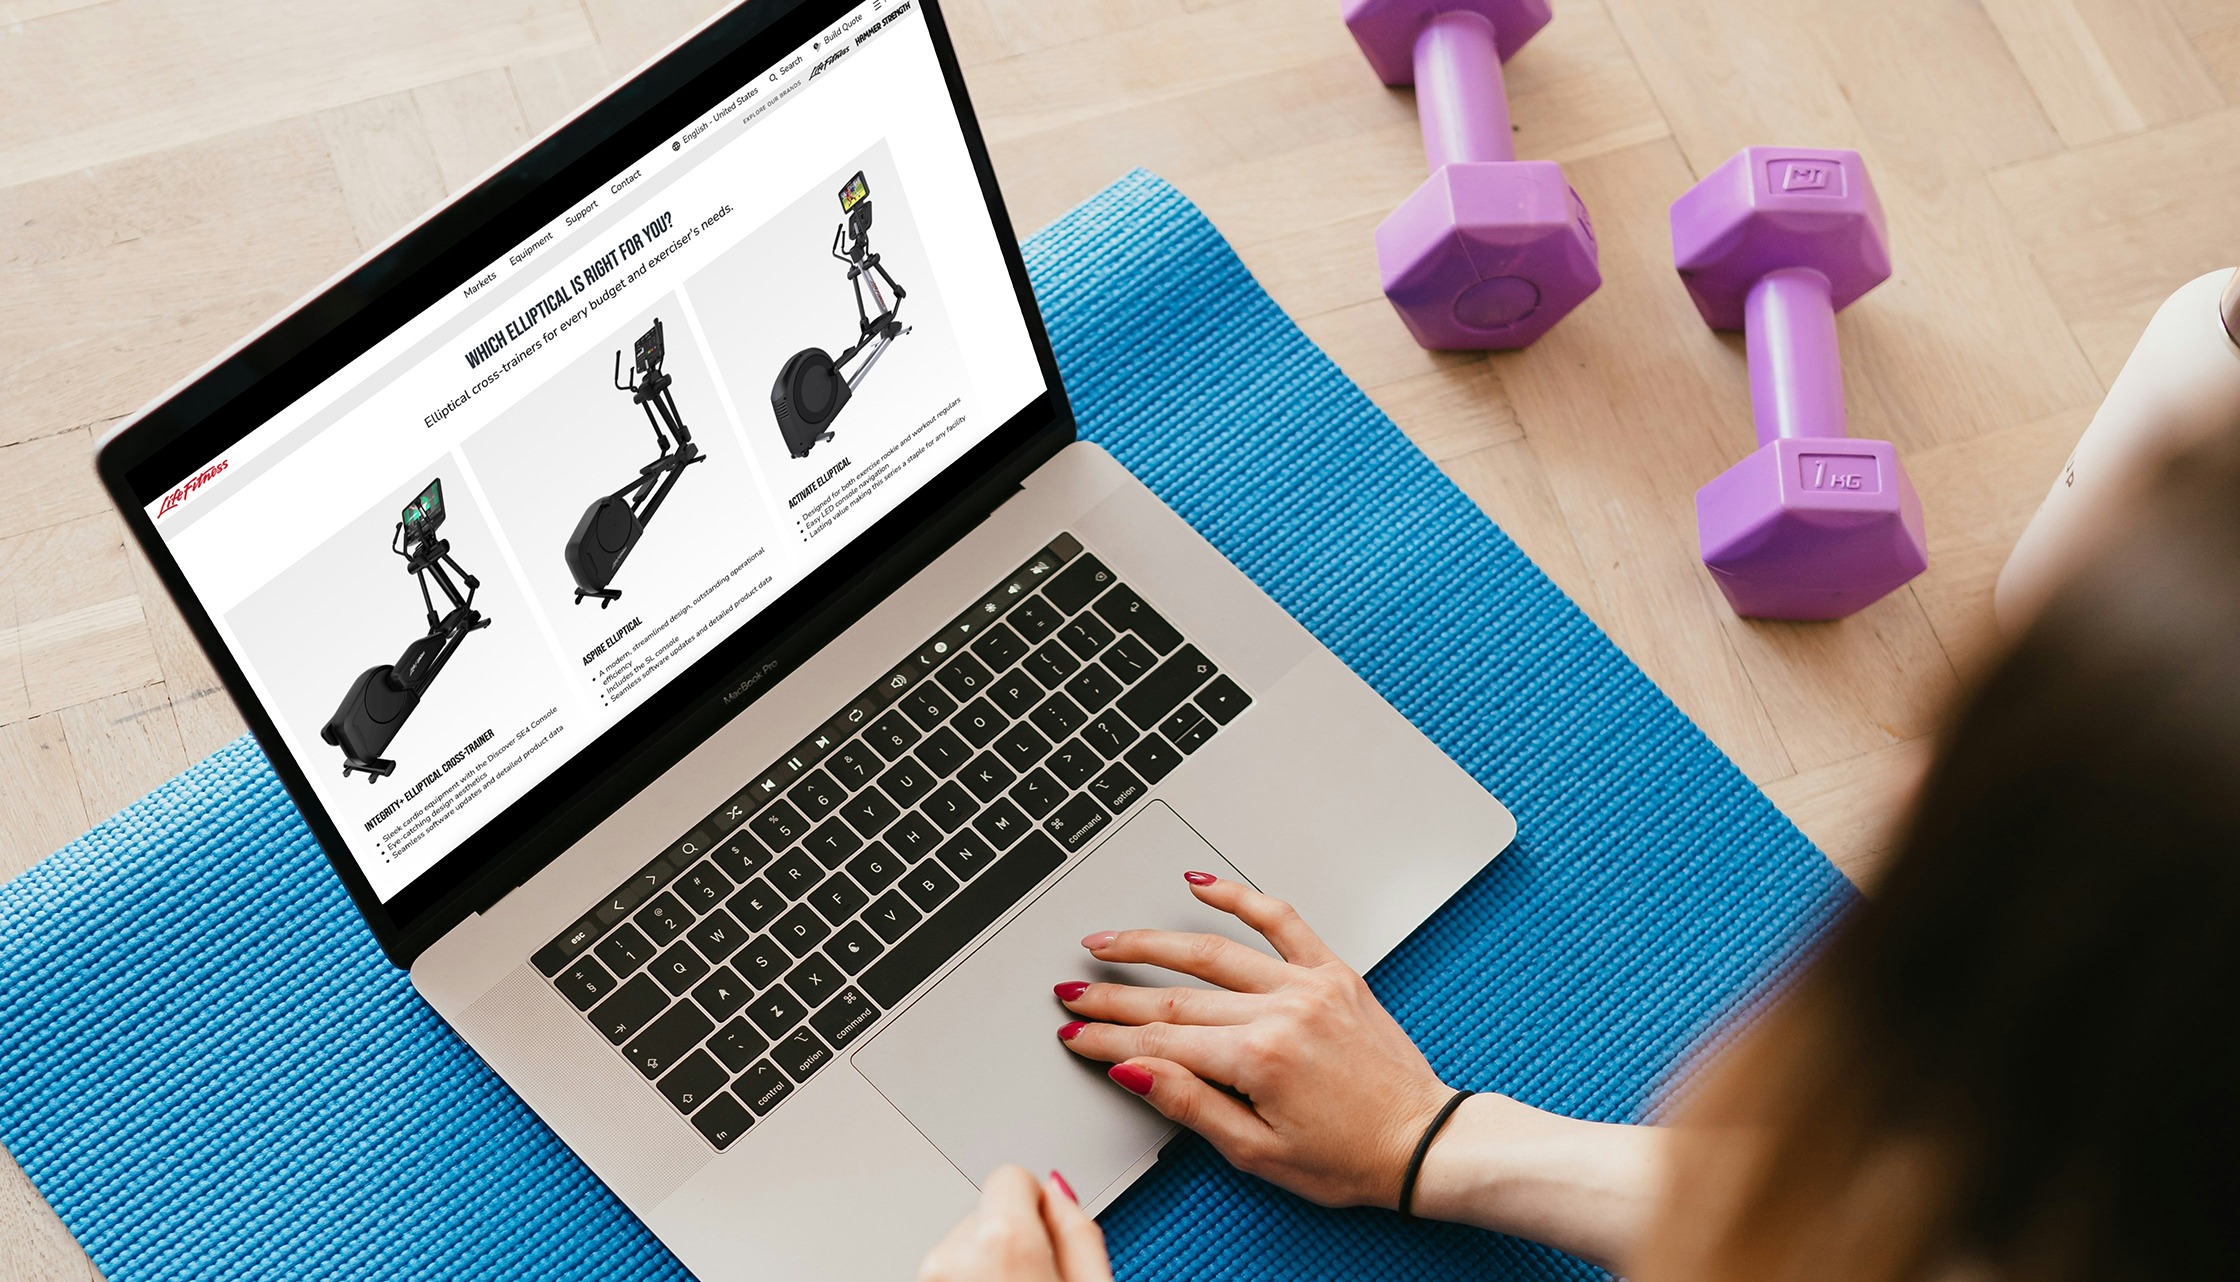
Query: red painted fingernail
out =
(1101, 940)
(1067, 1032)
(1128, 1075)
(1070, 992)
(1200, 878)
(1065, 1188)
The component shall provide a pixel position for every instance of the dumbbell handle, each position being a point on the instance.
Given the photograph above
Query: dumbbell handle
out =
(1461, 101)
(1796, 371)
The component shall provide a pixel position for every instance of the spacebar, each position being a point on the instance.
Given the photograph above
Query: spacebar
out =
(986, 898)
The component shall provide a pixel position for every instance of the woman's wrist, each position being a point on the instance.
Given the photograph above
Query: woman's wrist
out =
(1588, 1188)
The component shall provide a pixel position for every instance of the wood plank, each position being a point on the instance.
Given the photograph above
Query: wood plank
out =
(1318, 269)
(2197, 16)
(1964, 338)
(1373, 347)
(1848, 686)
(1508, 484)
(550, 89)
(47, 482)
(2113, 233)
(117, 280)
(207, 717)
(78, 626)
(17, 12)
(2105, 67)
(40, 808)
(471, 123)
(34, 1247)
(1854, 810)
(173, 72)
(974, 32)
(1979, 494)
(15, 694)
(1135, 65)
(384, 163)
(2219, 48)
(1450, 413)
(121, 747)
(1008, 28)
(632, 31)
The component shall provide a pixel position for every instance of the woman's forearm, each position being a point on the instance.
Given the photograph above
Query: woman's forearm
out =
(1588, 1188)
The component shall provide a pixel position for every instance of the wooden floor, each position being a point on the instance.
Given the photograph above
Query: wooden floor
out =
(173, 173)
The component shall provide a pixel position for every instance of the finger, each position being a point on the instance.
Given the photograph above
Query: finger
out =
(1278, 922)
(1208, 957)
(1128, 1004)
(1079, 1242)
(982, 1240)
(1207, 1052)
(1184, 1098)
(1004, 1235)
(1011, 1194)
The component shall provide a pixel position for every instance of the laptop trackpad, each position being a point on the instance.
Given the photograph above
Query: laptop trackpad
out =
(976, 1064)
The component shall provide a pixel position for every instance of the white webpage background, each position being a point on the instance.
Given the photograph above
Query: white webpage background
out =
(889, 88)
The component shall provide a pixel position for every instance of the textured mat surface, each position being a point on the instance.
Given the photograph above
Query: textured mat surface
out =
(210, 1071)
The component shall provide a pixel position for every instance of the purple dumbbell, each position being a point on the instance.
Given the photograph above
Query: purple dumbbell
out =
(1814, 525)
(1491, 251)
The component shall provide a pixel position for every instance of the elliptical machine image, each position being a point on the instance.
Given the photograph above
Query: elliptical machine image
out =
(613, 523)
(812, 387)
(382, 697)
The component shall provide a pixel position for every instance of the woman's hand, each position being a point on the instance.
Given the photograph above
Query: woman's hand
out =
(1021, 1232)
(1335, 1096)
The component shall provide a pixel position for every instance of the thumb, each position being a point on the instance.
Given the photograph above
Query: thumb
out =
(1078, 1241)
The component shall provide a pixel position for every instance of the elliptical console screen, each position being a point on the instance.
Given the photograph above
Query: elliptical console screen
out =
(424, 512)
(650, 418)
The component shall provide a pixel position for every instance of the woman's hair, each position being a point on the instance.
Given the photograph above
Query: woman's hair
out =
(2020, 1059)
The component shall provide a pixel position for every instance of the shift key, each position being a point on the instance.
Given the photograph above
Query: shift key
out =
(1168, 685)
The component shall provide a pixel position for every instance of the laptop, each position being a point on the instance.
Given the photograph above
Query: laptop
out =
(667, 581)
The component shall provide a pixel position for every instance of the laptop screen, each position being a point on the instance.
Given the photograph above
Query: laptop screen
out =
(448, 568)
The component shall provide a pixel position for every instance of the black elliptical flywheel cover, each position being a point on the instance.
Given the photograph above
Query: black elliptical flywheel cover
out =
(808, 395)
(602, 538)
(614, 527)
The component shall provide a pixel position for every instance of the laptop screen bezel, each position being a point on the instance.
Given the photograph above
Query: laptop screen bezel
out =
(201, 418)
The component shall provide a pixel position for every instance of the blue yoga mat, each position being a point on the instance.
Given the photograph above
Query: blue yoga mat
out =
(209, 1070)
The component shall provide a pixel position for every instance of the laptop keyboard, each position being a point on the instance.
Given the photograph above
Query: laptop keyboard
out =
(737, 964)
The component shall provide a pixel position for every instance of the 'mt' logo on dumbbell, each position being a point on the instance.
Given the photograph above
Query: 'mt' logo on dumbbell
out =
(1805, 176)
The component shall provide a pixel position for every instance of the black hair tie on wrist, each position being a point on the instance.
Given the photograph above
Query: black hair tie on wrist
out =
(1423, 1146)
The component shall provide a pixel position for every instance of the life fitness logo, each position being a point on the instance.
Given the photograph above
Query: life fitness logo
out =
(189, 486)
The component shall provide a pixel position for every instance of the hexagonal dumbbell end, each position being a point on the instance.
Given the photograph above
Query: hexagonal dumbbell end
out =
(1488, 255)
(1386, 30)
(1813, 525)
(1489, 252)
(1812, 528)
(1774, 207)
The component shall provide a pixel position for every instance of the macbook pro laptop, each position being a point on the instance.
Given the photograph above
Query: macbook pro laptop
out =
(666, 579)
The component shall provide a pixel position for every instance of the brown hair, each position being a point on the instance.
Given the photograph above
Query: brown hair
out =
(2021, 1058)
